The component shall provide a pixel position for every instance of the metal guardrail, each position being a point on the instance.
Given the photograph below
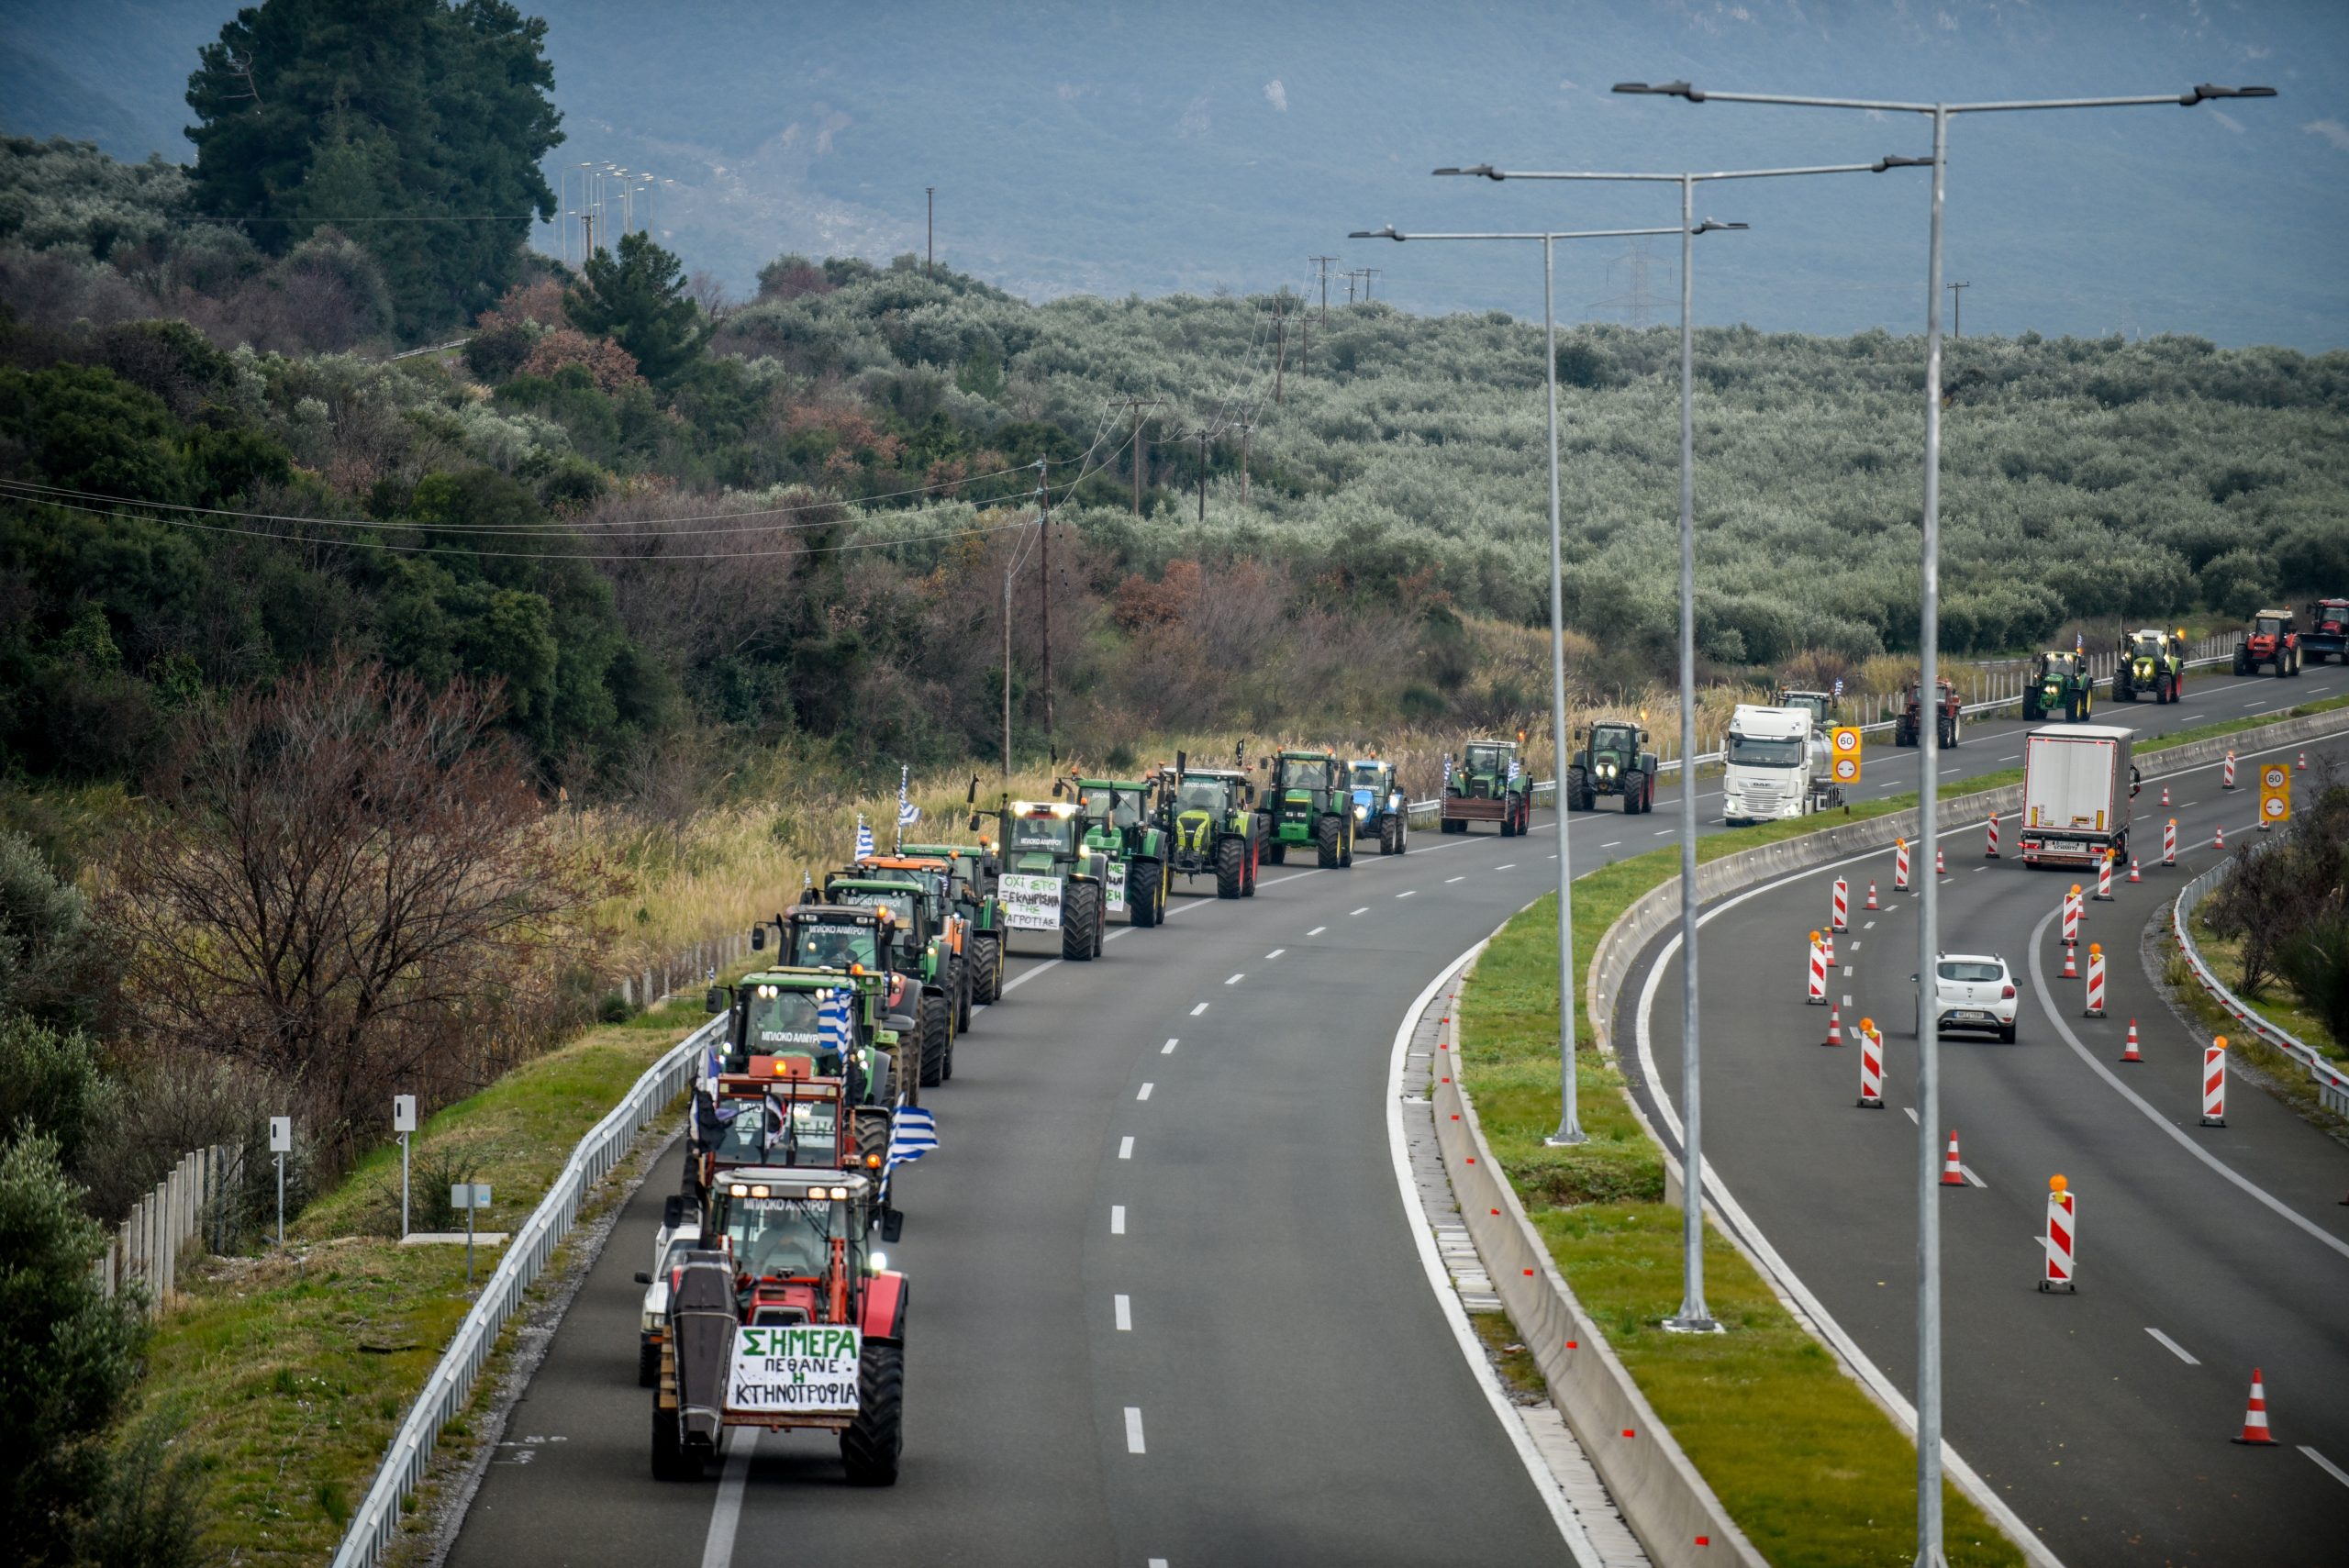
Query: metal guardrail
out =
(446, 1392)
(2331, 1084)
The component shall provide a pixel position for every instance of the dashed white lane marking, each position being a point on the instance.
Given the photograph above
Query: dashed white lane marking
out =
(1408, 893)
(1664, 832)
(2172, 1346)
(1967, 1171)
(1364, 910)
(1317, 930)
(1236, 978)
(1197, 1010)
(718, 1547)
(1133, 1429)
(1869, 926)
(1145, 1090)
(1511, 866)
(2326, 1466)
(1158, 1563)
(1126, 1147)
(1910, 1109)
(1617, 843)
(1120, 932)
(1847, 972)
(2253, 702)
(1273, 954)
(1117, 1220)
(1854, 944)
(1125, 1315)
(2016, 758)
(1168, 1049)
(1449, 880)
(1014, 984)
(1946, 772)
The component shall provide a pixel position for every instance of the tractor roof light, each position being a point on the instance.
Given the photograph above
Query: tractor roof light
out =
(738, 1190)
(755, 1192)
(839, 1194)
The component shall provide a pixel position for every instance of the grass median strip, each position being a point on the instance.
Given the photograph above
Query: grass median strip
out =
(291, 1370)
(1804, 1461)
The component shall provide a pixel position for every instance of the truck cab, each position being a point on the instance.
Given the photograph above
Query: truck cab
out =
(1775, 765)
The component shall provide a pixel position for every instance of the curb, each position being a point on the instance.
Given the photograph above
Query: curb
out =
(1667, 1503)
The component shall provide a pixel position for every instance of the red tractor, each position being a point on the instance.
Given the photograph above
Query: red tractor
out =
(1908, 729)
(787, 1320)
(2328, 632)
(2274, 639)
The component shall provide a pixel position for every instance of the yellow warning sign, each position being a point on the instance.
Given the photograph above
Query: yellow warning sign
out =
(2275, 794)
(1845, 743)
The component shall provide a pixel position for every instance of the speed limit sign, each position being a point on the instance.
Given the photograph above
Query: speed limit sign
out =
(2275, 794)
(1845, 743)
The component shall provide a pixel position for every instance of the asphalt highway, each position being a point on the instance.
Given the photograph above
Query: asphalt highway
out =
(1166, 1303)
(2101, 1418)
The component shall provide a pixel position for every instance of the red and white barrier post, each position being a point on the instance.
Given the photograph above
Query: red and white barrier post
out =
(1840, 909)
(1871, 1067)
(2096, 981)
(2214, 1082)
(1817, 995)
(1899, 866)
(2227, 779)
(2072, 915)
(2169, 842)
(2104, 878)
(2063, 1235)
(1991, 853)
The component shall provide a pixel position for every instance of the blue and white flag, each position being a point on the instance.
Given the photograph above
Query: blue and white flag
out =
(1512, 773)
(863, 839)
(832, 1020)
(2079, 642)
(907, 813)
(913, 1132)
(1839, 688)
(709, 1070)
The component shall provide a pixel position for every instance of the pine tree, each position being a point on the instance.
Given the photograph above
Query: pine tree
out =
(638, 300)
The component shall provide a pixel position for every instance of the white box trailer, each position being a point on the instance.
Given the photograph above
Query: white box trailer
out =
(2076, 783)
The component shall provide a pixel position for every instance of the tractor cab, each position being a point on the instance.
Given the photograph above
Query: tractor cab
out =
(1614, 746)
(1304, 806)
(1484, 769)
(2152, 661)
(1121, 827)
(1379, 808)
(1051, 878)
(2274, 639)
(778, 1113)
(824, 1036)
(1819, 705)
(1208, 818)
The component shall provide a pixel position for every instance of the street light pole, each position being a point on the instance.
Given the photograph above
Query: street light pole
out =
(1694, 1316)
(1569, 1131)
(1929, 1306)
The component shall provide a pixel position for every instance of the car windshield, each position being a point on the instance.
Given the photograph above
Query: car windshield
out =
(1750, 752)
(679, 1245)
(835, 947)
(1971, 969)
(1369, 775)
(1052, 835)
(901, 905)
(1097, 801)
(782, 1020)
(1199, 795)
(2269, 626)
(784, 1238)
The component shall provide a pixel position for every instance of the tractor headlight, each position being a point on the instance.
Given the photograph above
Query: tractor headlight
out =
(1362, 813)
(878, 1264)
(1395, 801)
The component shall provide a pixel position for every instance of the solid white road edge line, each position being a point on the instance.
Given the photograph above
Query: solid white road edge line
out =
(1717, 1193)
(2177, 1135)
(2172, 1346)
(1455, 1317)
(726, 1514)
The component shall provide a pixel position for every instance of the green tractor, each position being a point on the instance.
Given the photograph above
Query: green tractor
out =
(1120, 826)
(920, 949)
(1051, 878)
(913, 1021)
(1210, 819)
(776, 1017)
(971, 871)
(2151, 660)
(1380, 807)
(2059, 684)
(942, 913)
(1306, 803)
(1489, 785)
(1612, 760)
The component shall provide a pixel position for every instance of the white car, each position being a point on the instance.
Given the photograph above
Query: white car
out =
(680, 1233)
(1975, 991)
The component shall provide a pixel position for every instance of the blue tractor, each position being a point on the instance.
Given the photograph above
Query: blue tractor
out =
(1380, 809)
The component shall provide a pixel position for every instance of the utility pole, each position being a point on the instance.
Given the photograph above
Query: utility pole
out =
(1958, 309)
(1044, 572)
(1350, 286)
(1009, 568)
(1280, 350)
(1245, 431)
(930, 267)
(1367, 275)
(1323, 262)
(1203, 435)
(1134, 405)
(587, 224)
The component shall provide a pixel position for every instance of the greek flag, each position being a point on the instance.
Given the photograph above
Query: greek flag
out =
(863, 839)
(907, 813)
(709, 1071)
(832, 1021)
(913, 1132)
(1512, 773)
(1839, 688)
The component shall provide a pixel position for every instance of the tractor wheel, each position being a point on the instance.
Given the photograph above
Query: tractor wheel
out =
(2162, 691)
(1509, 821)
(1143, 880)
(1276, 853)
(1080, 916)
(1570, 793)
(989, 951)
(670, 1461)
(1248, 888)
(963, 985)
(1325, 840)
(870, 1444)
(935, 1027)
(648, 1366)
(1345, 841)
(871, 1126)
(1230, 869)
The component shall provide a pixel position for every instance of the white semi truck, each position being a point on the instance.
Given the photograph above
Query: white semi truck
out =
(1777, 765)
(2076, 783)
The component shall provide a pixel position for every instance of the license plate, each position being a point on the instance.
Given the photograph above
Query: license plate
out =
(1973, 1016)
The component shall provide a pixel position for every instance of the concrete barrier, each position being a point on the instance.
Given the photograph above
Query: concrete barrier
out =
(1667, 1503)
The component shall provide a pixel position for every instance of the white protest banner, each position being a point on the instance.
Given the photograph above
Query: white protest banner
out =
(1114, 887)
(1030, 903)
(799, 1369)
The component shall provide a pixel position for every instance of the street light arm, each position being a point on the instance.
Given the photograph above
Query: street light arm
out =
(1662, 90)
(1389, 233)
(2202, 93)
(1875, 168)
(1486, 169)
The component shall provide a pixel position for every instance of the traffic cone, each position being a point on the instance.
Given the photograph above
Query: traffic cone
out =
(1830, 950)
(1834, 1024)
(1941, 866)
(2304, 761)
(1872, 896)
(1952, 1175)
(2130, 1054)
(2254, 1416)
(2133, 870)
(2164, 795)
(2071, 970)
(2219, 837)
